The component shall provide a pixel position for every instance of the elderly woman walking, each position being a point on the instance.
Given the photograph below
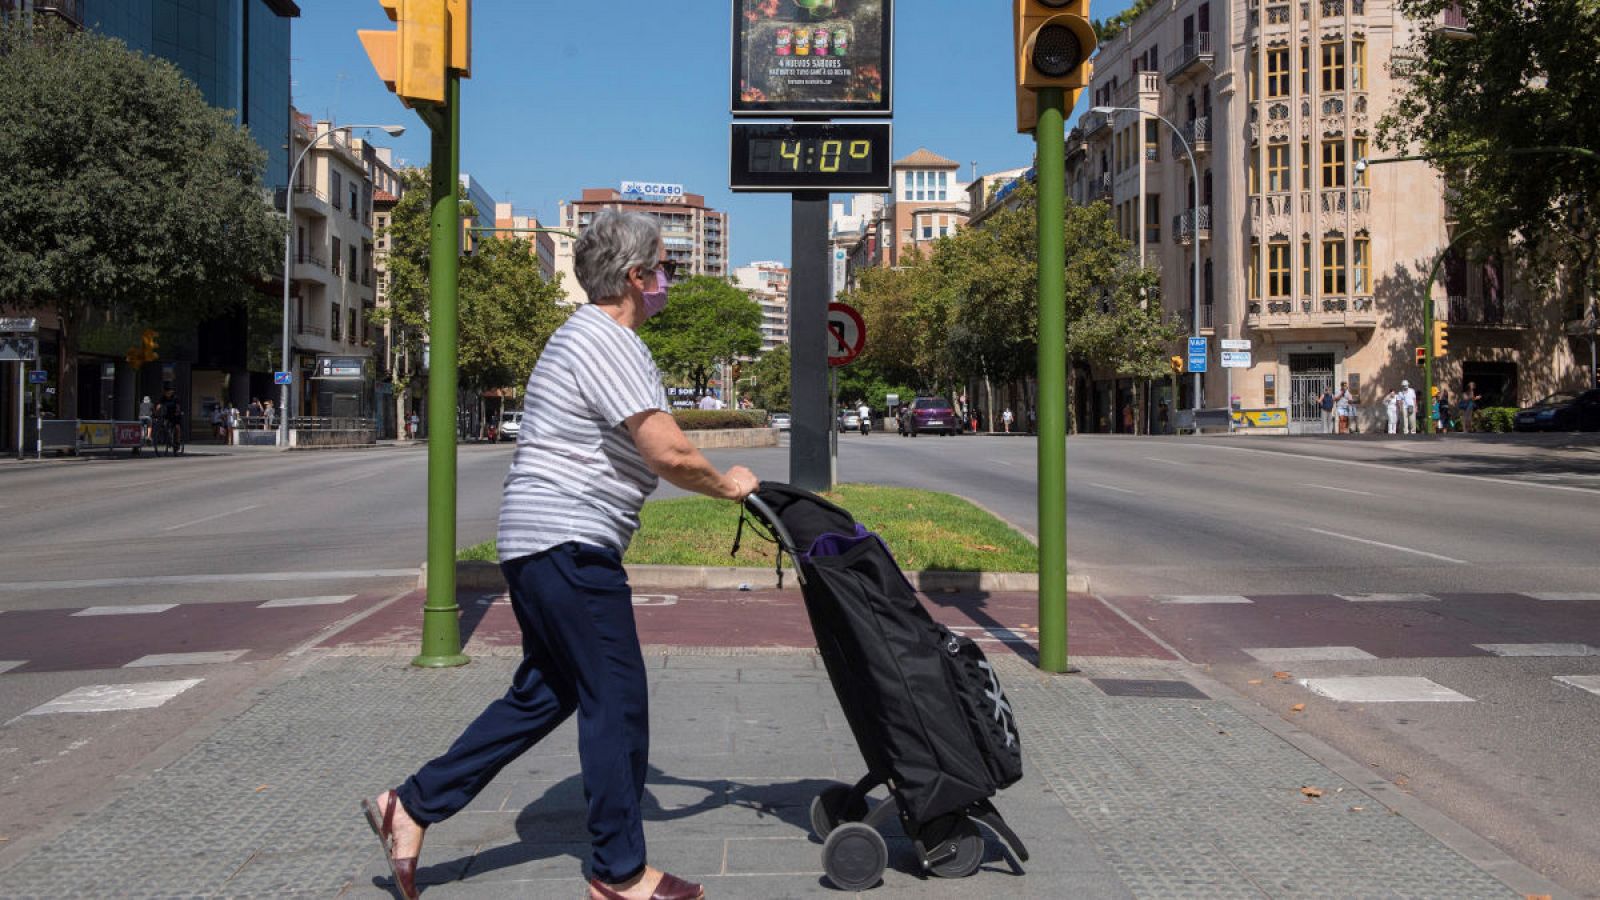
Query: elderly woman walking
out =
(596, 435)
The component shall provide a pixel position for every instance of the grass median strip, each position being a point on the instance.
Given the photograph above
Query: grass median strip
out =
(927, 530)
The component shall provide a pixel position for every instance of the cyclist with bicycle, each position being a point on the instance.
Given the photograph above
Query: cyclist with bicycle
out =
(171, 413)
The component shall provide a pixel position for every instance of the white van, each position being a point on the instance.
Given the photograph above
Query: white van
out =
(510, 425)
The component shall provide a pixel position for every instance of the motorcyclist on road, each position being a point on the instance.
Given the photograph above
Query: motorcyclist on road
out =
(865, 412)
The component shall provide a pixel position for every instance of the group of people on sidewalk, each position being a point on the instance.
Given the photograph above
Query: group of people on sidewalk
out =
(1339, 409)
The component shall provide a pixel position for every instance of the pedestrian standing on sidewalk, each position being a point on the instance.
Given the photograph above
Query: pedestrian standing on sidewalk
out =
(1341, 407)
(1391, 410)
(147, 411)
(1408, 407)
(1468, 404)
(586, 459)
(1006, 418)
(1325, 403)
(1444, 410)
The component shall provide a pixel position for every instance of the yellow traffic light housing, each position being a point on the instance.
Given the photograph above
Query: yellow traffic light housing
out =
(1441, 339)
(433, 37)
(1053, 41)
(1177, 364)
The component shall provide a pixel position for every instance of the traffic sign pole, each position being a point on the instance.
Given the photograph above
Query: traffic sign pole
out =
(1050, 137)
(811, 426)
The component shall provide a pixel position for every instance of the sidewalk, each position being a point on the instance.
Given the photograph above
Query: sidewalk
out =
(1144, 778)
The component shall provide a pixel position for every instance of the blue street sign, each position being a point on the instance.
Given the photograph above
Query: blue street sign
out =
(283, 378)
(38, 376)
(1197, 354)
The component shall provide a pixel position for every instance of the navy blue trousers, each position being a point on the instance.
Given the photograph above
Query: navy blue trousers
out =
(580, 652)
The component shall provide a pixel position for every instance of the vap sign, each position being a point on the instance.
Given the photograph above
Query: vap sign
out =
(652, 192)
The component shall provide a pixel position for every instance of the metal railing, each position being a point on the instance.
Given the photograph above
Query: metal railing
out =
(1183, 224)
(71, 10)
(1101, 186)
(312, 330)
(1197, 133)
(307, 190)
(1482, 311)
(1092, 122)
(311, 260)
(1195, 50)
(331, 423)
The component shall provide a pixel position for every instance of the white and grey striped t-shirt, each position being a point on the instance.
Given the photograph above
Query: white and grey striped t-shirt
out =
(577, 475)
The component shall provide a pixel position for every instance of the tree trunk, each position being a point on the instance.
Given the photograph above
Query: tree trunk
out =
(70, 315)
(988, 406)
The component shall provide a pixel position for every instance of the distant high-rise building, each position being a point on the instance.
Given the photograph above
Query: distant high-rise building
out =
(767, 283)
(850, 226)
(522, 228)
(696, 236)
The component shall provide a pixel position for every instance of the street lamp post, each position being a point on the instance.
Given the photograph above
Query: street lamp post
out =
(1194, 174)
(288, 261)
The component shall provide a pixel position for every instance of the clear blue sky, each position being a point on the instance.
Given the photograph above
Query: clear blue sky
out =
(587, 93)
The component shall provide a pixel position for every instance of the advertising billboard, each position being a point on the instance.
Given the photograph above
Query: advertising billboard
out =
(812, 57)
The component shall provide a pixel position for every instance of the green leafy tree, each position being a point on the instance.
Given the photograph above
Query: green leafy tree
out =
(768, 379)
(123, 194)
(507, 312)
(707, 323)
(1525, 76)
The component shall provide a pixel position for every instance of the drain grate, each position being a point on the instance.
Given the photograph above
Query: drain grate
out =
(1138, 687)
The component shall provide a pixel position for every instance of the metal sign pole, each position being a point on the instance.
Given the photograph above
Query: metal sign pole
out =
(22, 406)
(38, 425)
(810, 465)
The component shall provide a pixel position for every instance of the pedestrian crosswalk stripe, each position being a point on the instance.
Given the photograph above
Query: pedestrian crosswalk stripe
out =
(1539, 649)
(1388, 598)
(1558, 597)
(1590, 683)
(1196, 599)
(1383, 689)
(204, 658)
(329, 600)
(136, 609)
(7, 665)
(114, 697)
(1307, 654)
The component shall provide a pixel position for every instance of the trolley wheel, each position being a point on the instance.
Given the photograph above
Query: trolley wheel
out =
(854, 856)
(833, 806)
(968, 851)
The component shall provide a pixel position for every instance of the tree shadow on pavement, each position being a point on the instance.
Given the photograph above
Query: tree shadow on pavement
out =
(962, 592)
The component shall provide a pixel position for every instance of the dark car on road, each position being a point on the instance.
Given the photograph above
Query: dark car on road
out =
(1565, 411)
(931, 415)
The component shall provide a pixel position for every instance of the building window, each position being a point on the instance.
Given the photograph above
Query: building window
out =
(1278, 167)
(355, 202)
(1306, 268)
(1333, 164)
(1358, 150)
(1278, 73)
(1255, 82)
(1361, 271)
(353, 270)
(338, 189)
(1358, 65)
(1278, 283)
(1254, 165)
(1333, 272)
(944, 185)
(335, 320)
(1152, 140)
(1305, 69)
(905, 188)
(338, 256)
(1152, 219)
(1255, 272)
(1333, 66)
(1305, 165)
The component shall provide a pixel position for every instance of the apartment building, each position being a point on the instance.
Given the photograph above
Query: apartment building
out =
(394, 398)
(929, 202)
(767, 283)
(525, 228)
(695, 235)
(1315, 261)
(853, 227)
(332, 293)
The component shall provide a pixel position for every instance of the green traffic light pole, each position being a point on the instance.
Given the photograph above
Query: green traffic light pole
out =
(1433, 273)
(1050, 138)
(441, 628)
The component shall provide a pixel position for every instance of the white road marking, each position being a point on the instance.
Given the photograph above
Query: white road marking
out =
(1170, 462)
(114, 697)
(1117, 489)
(655, 600)
(7, 665)
(1563, 598)
(1307, 654)
(1360, 540)
(1383, 689)
(1001, 462)
(219, 515)
(1539, 649)
(1329, 487)
(1388, 598)
(329, 600)
(1590, 683)
(1402, 469)
(1196, 599)
(206, 658)
(237, 578)
(136, 609)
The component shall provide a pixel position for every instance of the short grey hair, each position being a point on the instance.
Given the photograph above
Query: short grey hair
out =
(614, 244)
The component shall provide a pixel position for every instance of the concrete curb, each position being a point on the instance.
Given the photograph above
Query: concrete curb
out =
(480, 575)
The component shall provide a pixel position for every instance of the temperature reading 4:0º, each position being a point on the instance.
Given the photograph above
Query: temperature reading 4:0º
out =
(810, 155)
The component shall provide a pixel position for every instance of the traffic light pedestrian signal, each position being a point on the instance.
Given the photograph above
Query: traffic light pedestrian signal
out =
(1441, 339)
(1422, 356)
(145, 352)
(433, 37)
(1053, 42)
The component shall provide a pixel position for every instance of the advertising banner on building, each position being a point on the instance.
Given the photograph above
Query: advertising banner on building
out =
(812, 57)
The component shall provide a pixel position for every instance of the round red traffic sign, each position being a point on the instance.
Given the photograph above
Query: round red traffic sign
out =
(847, 334)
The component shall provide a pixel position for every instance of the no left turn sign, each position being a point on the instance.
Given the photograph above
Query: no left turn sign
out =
(847, 334)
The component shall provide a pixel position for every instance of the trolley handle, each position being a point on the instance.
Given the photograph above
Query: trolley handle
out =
(762, 510)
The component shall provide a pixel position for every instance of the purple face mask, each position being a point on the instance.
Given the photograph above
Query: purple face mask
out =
(655, 301)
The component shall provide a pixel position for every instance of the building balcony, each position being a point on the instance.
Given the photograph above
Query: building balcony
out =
(70, 11)
(309, 200)
(1093, 123)
(308, 267)
(1194, 58)
(1490, 313)
(1197, 134)
(1453, 24)
(1355, 311)
(1184, 225)
(1100, 186)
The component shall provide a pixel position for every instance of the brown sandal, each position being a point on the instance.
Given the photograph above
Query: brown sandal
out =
(403, 870)
(671, 888)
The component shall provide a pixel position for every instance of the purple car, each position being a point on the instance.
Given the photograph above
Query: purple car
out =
(932, 414)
